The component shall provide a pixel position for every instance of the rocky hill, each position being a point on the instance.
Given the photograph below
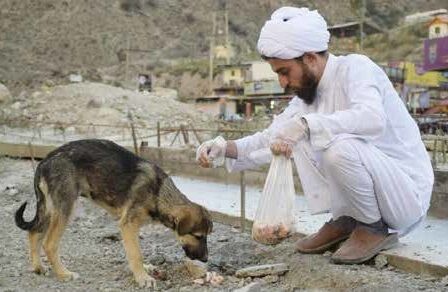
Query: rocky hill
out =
(48, 39)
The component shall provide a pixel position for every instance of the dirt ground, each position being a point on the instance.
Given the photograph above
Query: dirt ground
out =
(92, 247)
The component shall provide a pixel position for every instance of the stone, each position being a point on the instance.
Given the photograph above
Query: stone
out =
(271, 279)
(157, 260)
(5, 95)
(199, 281)
(252, 287)
(196, 269)
(380, 261)
(263, 270)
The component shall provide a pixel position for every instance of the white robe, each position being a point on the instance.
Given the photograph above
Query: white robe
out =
(365, 157)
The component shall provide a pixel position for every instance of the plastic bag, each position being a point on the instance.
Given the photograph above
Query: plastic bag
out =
(274, 219)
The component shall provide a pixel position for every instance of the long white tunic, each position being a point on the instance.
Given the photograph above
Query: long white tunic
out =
(380, 167)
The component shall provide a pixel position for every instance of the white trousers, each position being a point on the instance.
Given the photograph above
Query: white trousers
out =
(363, 183)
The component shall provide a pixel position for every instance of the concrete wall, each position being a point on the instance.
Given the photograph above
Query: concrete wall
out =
(439, 199)
(182, 162)
(261, 70)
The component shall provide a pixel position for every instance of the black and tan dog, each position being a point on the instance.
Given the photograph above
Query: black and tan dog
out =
(130, 188)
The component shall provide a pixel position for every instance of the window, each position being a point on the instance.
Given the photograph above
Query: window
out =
(437, 30)
(232, 72)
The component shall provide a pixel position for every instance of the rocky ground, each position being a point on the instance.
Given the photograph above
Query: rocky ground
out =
(92, 247)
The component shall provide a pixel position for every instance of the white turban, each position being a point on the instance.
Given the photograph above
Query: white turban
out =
(291, 32)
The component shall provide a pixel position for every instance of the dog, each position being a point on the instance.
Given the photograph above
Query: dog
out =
(130, 188)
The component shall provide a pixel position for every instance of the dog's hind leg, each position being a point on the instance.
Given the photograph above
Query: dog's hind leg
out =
(56, 228)
(129, 227)
(35, 242)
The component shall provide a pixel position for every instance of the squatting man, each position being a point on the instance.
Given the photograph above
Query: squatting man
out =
(358, 152)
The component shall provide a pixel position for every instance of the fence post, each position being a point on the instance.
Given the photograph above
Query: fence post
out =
(134, 138)
(33, 163)
(434, 153)
(243, 202)
(158, 134)
(444, 151)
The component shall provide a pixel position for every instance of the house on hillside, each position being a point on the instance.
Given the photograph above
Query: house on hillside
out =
(435, 50)
(424, 16)
(351, 29)
(438, 27)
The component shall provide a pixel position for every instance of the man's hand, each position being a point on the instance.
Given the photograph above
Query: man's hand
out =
(280, 148)
(287, 134)
(211, 153)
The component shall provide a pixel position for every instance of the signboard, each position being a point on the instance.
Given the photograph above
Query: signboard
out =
(436, 54)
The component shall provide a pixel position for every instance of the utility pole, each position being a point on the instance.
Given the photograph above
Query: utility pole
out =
(128, 48)
(361, 25)
(212, 53)
(226, 20)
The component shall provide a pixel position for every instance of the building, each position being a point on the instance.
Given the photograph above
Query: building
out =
(351, 29)
(244, 90)
(438, 27)
(421, 17)
(435, 52)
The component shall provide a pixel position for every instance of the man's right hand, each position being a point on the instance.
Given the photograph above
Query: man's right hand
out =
(211, 153)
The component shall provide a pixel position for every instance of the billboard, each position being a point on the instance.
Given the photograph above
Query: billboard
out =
(436, 54)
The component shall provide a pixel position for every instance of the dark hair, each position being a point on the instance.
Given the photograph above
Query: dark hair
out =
(321, 53)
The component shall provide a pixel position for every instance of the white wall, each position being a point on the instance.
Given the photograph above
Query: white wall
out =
(261, 70)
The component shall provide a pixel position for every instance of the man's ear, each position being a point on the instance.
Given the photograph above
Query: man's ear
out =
(309, 58)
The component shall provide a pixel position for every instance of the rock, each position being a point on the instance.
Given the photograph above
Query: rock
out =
(444, 281)
(196, 269)
(17, 105)
(5, 95)
(157, 260)
(380, 261)
(263, 270)
(199, 281)
(252, 287)
(75, 78)
(271, 279)
(11, 190)
(223, 239)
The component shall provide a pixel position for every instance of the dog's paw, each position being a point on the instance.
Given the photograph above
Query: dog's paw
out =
(40, 270)
(68, 276)
(145, 281)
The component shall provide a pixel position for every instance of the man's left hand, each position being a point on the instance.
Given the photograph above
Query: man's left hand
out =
(287, 134)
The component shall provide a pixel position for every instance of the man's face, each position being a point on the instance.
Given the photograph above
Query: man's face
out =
(296, 77)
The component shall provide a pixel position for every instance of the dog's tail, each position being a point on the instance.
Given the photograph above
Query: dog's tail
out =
(39, 218)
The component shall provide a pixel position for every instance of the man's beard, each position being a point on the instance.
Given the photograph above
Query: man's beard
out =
(309, 83)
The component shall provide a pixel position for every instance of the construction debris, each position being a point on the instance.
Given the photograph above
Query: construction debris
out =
(263, 270)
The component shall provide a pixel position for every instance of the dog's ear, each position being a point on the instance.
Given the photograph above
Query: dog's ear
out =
(184, 223)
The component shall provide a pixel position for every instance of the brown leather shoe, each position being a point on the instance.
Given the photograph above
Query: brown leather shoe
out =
(362, 245)
(327, 237)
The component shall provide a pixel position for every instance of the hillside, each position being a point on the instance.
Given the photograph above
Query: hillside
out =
(48, 39)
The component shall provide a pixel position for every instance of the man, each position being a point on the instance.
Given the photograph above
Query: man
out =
(358, 152)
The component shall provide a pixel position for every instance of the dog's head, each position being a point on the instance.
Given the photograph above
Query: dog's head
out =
(192, 225)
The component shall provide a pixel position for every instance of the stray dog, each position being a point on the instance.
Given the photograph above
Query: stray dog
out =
(130, 188)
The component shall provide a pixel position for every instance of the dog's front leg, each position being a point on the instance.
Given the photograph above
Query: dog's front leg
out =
(131, 244)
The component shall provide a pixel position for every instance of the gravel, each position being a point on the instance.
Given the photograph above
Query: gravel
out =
(91, 246)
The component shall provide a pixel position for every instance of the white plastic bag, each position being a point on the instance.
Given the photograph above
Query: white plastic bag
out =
(274, 219)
